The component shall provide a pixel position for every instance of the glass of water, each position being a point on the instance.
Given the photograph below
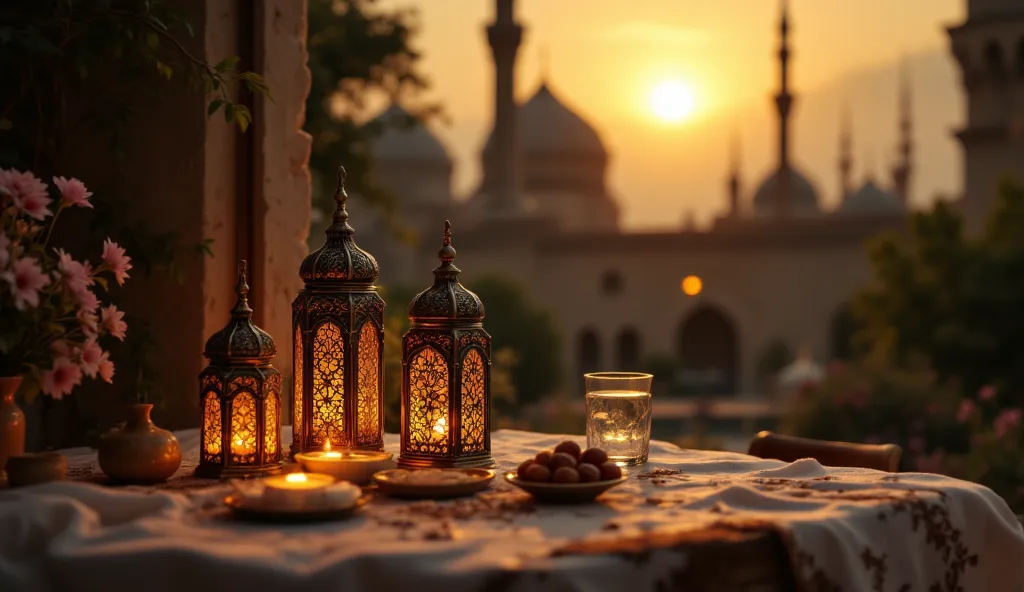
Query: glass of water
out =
(619, 415)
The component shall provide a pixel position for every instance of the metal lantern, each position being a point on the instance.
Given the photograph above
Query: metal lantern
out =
(446, 374)
(240, 398)
(338, 340)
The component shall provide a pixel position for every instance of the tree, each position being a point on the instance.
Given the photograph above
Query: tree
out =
(514, 323)
(953, 301)
(357, 53)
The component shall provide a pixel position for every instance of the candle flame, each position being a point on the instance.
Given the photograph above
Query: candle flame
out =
(295, 478)
(441, 426)
(327, 445)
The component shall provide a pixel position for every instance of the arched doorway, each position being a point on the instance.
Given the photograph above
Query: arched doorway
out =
(627, 350)
(708, 351)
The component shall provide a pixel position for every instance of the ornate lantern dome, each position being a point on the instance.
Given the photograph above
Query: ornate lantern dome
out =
(340, 260)
(241, 341)
(447, 300)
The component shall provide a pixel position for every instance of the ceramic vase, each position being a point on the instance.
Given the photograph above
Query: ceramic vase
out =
(139, 452)
(12, 421)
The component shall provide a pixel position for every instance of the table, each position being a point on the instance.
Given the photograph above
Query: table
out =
(693, 520)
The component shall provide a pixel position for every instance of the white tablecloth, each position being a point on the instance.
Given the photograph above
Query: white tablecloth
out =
(849, 528)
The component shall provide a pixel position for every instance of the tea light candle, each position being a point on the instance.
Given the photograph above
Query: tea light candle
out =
(356, 466)
(295, 490)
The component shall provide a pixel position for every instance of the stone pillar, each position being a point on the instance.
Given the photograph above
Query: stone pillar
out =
(504, 37)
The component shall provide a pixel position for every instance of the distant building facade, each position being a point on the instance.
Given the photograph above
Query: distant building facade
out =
(775, 267)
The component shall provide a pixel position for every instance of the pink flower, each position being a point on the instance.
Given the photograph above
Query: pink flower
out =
(113, 255)
(62, 378)
(965, 411)
(106, 369)
(986, 393)
(1006, 421)
(111, 319)
(87, 300)
(77, 276)
(27, 192)
(73, 192)
(26, 279)
(92, 356)
(89, 320)
(61, 349)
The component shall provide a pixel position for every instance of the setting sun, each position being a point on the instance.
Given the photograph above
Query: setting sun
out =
(672, 101)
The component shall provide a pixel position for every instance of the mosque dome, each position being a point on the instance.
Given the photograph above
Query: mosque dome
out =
(803, 197)
(406, 139)
(870, 199)
(548, 126)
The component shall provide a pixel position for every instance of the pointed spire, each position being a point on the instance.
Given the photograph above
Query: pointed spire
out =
(845, 153)
(340, 219)
(784, 105)
(733, 183)
(903, 167)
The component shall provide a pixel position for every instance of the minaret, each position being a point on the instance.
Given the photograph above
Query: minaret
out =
(784, 103)
(901, 171)
(733, 183)
(504, 36)
(845, 156)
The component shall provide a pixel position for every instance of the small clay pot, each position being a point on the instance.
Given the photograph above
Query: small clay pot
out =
(139, 452)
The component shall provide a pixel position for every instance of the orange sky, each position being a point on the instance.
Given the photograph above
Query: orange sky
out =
(605, 56)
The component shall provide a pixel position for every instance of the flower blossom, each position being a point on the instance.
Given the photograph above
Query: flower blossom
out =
(112, 321)
(26, 279)
(1006, 421)
(986, 393)
(106, 368)
(89, 320)
(87, 301)
(27, 192)
(92, 356)
(113, 255)
(62, 378)
(965, 411)
(73, 192)
(77, 276)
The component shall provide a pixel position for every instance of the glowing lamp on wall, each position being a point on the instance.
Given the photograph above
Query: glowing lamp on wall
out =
(239, 397)
(338, 344)
(446, 395)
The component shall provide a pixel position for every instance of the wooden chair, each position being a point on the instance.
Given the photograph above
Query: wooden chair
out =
(883, 457)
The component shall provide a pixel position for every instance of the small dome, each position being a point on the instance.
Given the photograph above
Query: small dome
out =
(548, 126)
(447, 299)
(803, 196)
(870, 199)
(240, 342)
(340, 260)
(404, 138)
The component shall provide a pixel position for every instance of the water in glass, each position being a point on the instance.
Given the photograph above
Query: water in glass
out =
(619, 422)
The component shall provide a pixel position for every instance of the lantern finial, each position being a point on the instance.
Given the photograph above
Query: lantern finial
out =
(447, 252)
(341, 198)
(242, 309)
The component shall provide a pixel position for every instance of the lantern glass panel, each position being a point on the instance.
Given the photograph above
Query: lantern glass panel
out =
(243, 428)
(428, 402)
(329, 384)
(368, 379)
(472, 392)
(211, 428)
(297, 385)
(270, 429)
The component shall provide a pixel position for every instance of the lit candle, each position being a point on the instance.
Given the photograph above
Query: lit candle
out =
(357, 466)
(295, 490)
(441, 426)
(240, 447)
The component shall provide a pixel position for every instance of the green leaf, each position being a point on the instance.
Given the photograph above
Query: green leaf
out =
(30, 388)
(226, 64)
(152, 40)
(229, 112)
(164, 70)
(242, 117)
(214, 105)
(102, 282)
(55, 328)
